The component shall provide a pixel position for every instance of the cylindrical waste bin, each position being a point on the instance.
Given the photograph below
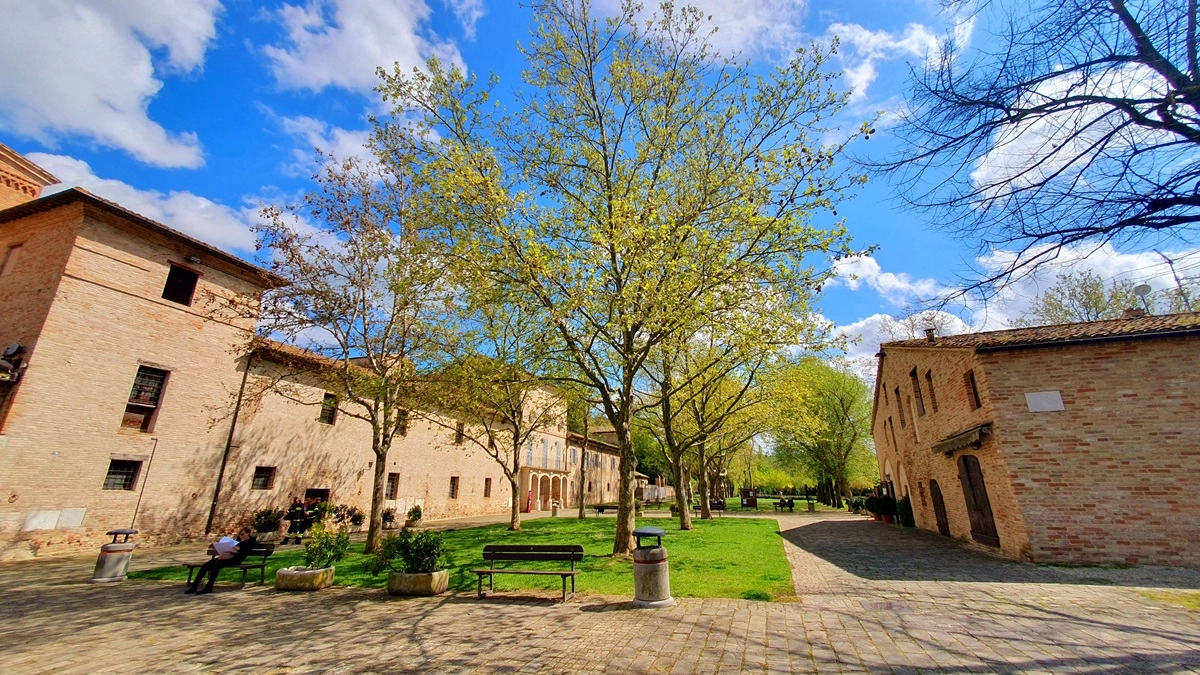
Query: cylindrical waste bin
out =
(113, 562)
(651, 578)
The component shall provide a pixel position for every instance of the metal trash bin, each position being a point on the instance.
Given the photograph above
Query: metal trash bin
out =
(651, 577)
(113, 561)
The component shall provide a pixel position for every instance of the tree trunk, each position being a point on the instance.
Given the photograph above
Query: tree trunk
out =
(583, 468)
(702, 484)
(514, 519)
(375, 532)
(623, 540)
(681, 500)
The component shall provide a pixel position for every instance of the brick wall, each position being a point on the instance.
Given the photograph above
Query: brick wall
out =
(1106, 479)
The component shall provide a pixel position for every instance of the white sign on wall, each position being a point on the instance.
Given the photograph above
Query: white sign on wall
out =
(1044, 401)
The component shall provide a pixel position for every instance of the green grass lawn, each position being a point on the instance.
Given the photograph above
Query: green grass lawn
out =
(728, 558)
(1187, 600)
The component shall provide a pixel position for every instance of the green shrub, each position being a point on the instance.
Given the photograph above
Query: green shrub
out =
(886, 505)
(325, 546)
(411, 551)
(904, 512)
(267, 520)
(345, 514)
(388, 515)
(414, 513)
(322, 511)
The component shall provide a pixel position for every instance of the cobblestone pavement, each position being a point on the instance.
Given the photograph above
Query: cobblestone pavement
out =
(872, 598)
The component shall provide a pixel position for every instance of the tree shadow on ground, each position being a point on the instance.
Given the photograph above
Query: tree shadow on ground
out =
(879, 552)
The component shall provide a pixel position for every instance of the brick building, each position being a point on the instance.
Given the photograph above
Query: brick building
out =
(119, 382)
(1071, 443)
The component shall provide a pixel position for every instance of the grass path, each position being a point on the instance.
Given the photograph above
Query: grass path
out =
(723, 558)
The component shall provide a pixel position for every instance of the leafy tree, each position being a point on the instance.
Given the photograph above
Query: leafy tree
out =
(1079, 296)
(643, 185)
(823, 422)
(1078, 122)
(365, 293)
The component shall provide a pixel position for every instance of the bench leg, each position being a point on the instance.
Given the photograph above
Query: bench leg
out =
(480, 586)
(564, 580)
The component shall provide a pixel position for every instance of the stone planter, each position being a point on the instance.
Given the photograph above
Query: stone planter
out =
(267, 537)
(412, 523)
(391, 525)
(303, 579)
(434, 583)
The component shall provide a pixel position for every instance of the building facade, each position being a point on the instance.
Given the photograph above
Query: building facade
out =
(119, 394)
(1073, 443)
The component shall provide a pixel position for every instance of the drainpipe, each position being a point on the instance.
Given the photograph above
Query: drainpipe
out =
(237, 408)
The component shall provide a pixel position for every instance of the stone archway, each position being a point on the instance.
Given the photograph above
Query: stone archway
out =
(544, 493)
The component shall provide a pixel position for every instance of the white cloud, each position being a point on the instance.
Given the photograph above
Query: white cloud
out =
(72, 67)
(202, 218)
(748, 26)
(862, 49)
(311, 134)
(468, 13)
(897, 289)
(340, 43)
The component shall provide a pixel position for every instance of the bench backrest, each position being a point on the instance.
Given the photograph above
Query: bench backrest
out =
(262, 549)
(553, 552)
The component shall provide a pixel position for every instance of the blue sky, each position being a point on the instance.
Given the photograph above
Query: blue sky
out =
(196, 112)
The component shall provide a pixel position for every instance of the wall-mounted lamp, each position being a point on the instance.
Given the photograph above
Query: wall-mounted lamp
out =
(192, 259)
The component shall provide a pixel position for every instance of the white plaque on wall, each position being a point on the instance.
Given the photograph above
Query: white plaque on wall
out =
(1044, 401)
(40, 520)
(71, 517)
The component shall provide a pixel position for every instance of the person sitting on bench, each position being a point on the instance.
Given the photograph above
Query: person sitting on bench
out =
(237, 556)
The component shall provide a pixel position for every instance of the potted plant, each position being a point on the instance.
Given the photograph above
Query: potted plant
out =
(872, 506)
(389, 518)
(414, 563)
(323, 548)
(350, 517)
(904, 512)
(266, 524)
(887, 508)
(414, 516)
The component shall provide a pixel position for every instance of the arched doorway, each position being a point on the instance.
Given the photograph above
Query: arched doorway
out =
(979, 507)
(544, 493)
(939, 509)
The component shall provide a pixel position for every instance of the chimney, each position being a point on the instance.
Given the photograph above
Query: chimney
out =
(1133, 313)
(931, 334)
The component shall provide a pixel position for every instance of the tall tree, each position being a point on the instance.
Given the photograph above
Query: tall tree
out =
(822, 422)
(366, 291)
(1079, 296)
(1074, 123)
(643, 184)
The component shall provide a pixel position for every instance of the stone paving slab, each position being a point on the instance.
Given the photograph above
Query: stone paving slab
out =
(872, 599)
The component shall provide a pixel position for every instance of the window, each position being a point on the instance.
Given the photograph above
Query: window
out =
(487, 487)
(264, 478)
(545, 453)
(529, 453)
(885, 396)
(557, 455)
(9, 261)
(916, 385)
(892, 429)
(612, 463)
(900, 407)
(459, 433)
(329, 409)
(929, 386)
(972, 390)
(142, 408)
(574, 455)
(589, 486)
(180, 286)
(453, 487)
(392, 487)
(122, 474)
(402, 422)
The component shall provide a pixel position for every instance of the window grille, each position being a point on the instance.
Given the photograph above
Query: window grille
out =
(459, 433)
(392, 487)
(453, 487)
(264, 478)
(122, 474)
(487, 487)
(144, 398)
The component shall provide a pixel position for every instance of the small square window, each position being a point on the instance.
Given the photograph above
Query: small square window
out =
(180, 286)
(329, 408)
(459, 433)
(122, 474)
(264, 478)
(487, 487)
(392, 487)
(453, 487)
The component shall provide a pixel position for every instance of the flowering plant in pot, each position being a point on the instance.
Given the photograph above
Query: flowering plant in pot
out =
(414, 516)
(414, 563)
(389, 518)
(323, 548)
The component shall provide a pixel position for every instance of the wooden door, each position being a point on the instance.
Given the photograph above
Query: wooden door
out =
(939, 509)
(979, 508)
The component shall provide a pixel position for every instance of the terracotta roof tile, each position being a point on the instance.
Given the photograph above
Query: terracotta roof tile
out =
(1111, 329)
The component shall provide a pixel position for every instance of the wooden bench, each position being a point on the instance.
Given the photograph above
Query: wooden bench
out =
(493, 553)
(600, 508)
(256, 560)
(789, 504)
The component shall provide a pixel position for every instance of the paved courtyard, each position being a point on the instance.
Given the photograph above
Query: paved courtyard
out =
(872, 598)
